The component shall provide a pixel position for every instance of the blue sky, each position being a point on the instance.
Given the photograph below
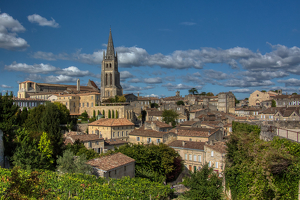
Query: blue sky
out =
(163, 46)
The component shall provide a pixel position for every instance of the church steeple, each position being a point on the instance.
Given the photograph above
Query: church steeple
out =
(110, 52)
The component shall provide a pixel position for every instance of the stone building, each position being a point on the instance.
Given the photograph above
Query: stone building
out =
(287, 100)
(154, 116)
(226, 102)
(192, 153)
(257, 97)
(90, 141)
(113, 166)
(29, 102)
(215, 156)
(111, 128)
(110, 76)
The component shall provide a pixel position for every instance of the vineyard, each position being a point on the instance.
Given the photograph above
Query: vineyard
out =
(51, 185)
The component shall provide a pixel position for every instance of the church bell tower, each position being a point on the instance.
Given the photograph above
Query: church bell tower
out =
(110, 76)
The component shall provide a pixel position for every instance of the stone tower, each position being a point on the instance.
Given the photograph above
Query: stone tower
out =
(110, 76)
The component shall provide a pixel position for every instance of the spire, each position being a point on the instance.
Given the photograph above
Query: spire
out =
(110, 47)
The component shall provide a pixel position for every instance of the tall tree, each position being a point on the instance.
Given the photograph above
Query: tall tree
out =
(34, 120)
(23, 115)
(122, 99)
(178, 103)
(117, 114)
(8, 116)
(273, 103)
(170, 116)
(193, 91)
(64, 113)
(113, 114)
(109, 114)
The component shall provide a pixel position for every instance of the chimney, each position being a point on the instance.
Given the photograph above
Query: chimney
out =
(78, 85)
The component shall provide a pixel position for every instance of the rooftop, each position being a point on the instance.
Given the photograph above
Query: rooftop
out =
(112, 122)
(187, 144)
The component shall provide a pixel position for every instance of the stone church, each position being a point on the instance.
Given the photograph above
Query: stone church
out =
(110, 76)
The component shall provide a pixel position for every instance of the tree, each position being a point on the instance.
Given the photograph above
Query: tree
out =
(122, 98)
(203, 93)
(84, 116)
(210, 94)
(109, 114)
(64, 113)
(98, 112)
(68, 163)
(204, 184)
(273, 103)
(113, 114)
(94, 113)
(8, 117)
(117, 114)
(103, 113)
(46, 148)
(263, 91)
(193, 91)
(180, 103)
(34, 120)
(236, 101)
(295, 93)
(78, 149)
(23, 116)
(154, 105)
(170, 116)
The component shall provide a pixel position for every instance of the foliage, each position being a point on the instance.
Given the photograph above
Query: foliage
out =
(122, 98)
(259, 169)
(69, 163)
(204, 184)
(8, 118)
(153, 161)
(99, 112)
(263, 91)
(294, 93)
(77, 148)
(64, 113)
(34, 120)
(23, 115)
(94, 113)
(210, 94)
(273, 103)
(154, 105)
(24, 185)
(170, 116)
(117, 114)
(103, 113)
(109, 114)
(84, 116)
(45, 147)
(236, 101)
(113, 114)
(193, 91)
(180, 103)
(79, 186)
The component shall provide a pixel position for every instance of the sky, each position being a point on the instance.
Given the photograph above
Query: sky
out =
(162, 46)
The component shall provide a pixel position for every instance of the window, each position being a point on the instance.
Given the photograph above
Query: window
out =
(92, 132)
(92, 104)
(209, 164)
(185, 156)
(148, 140)
(92, 97)
(87, 104)
(199, 158)
(66, 103)
(217, 166)
(195, 158)
(124, 168)
(113, 134)
(190, 156)
(212, 153)
(118, 134)
(82, 104)
(137, 138)
(126, 133)
(122, 133)
(79, 104)
(90, 144)
(97, 142)
(108, 174)
(157, 141)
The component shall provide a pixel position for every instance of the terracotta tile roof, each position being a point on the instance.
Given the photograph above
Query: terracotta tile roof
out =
(147, 133)
(84, 138)
(94, 84)
(114, 142)
(218, 146)
(187, 144)
(194, 132)
(112, 122)
(110, 162)
(155, 113)
(147, 98)
(228, 125)
(159, 124)
(193, 111)
(188, 123)
(271, 110)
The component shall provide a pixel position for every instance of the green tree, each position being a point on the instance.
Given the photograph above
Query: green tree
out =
(51, 125)
(210, 94)
(203, 93)
(294, 93)
(193, 91)
(84, 116)
(99, 112)
(8, 119)
(45, 147)
(236, 101)
(170, 116)
(78, 149)
(113, 114)
(263, 91)
(204, 184)
(122, 99)
(180, 103)
(94, 113)
(64, 113)
(23, 115)
(69, 163)
(34, 120)
(273, 103)
(103, 113)
(109, 114)
(117, 114)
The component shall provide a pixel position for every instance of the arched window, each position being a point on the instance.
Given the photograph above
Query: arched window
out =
(106, 65)
(110, 79)
(110, 65)
(106, 82)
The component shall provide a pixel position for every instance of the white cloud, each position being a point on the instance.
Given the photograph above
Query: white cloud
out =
(246, 83)
(36, 68)
(153, 80)
(59, 79)
(242, 90)
(125, 75)
(42, 21)
(188, 23)
(127, 87)
(8, 33)
(290, 82)
(151, 95)
(73, 71)
(212, 74)
(5, 86)
(180, 86)
(135, 80)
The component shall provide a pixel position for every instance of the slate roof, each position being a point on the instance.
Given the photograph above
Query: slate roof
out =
(110, 162)
(218, 146)
(187, 144)
(112, 122)
(155, 113)
(84, 138)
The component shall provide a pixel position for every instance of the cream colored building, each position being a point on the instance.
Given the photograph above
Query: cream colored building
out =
(91, 141)
(257, 97)
(215, 156)
(192, 153)
(111, 128)
(113, 166)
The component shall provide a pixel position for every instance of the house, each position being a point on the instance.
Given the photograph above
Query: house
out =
(157, 126)
(198, 134)
(247, 111)
(111, 128)
(215, 156)
(227, 129)
(110, 144)
(154, 116)
(113, 166)
(130, 97)
(195, 113)
(268, 114)
(191, 152)
(90, 141)
(257, 97)
(182, 118)
(287, 114)
(190, 124)
(148, 136)
(287, 100)
(211, 124)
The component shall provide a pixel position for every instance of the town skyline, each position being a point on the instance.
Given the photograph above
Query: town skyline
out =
(162, 48)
